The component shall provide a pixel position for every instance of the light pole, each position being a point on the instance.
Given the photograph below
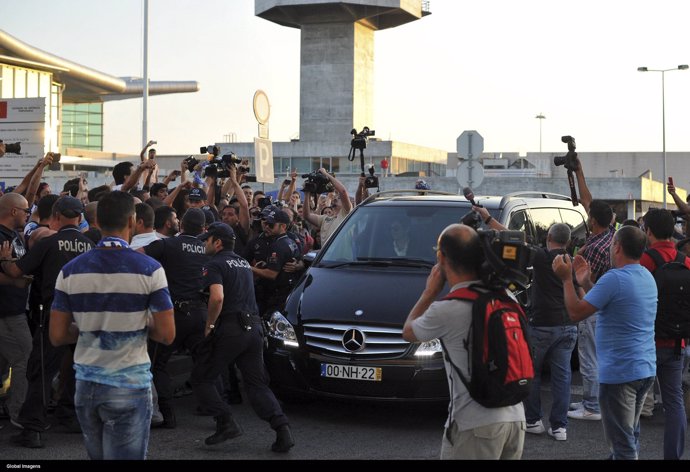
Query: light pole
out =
(541, 118)
(663, 111)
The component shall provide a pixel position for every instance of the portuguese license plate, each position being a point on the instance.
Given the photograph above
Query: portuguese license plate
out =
(372, 374)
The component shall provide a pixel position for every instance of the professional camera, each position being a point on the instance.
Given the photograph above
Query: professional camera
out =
(210, 149)
(571, 164)
(15, 148)
(506, 259)
(191, 162)
(316, 183)
(371, 181)
(359, 140)
(570, 159)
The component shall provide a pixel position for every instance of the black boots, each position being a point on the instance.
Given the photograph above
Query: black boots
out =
(27, 438)
(284, 439)
(226, 428)
(169, 419)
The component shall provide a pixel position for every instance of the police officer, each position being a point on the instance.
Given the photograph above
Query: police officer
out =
(272, 277)
(234, 333)
(182, 258)
(45, 260)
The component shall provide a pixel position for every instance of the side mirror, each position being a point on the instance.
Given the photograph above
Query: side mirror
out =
(309, 257)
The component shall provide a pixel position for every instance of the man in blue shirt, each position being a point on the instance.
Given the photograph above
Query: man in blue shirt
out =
(626, 299)
(109, 301)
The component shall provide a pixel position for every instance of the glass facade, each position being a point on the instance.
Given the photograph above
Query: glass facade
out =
(82, 126)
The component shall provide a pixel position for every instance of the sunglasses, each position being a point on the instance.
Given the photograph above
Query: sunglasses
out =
(25, 210)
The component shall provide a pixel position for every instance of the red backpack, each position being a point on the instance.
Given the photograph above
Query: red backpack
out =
(499, 357)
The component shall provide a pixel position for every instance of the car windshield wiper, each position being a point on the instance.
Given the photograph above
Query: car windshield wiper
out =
(383, 262)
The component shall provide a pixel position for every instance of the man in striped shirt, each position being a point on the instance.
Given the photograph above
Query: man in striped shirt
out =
(108, 301)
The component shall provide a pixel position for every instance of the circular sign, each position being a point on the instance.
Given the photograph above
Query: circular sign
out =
(262, 107)
(470, 174)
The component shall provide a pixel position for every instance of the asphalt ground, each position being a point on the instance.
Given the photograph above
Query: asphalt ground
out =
(332, 430)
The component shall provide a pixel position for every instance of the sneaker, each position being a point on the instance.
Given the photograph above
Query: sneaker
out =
(534, 428)
(575, 406)
(558, 434)
(584, 414)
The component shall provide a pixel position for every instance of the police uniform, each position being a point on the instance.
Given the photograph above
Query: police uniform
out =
(182, 258)
(236, 336)
(45, 260)
(283, 249)
(13, 298)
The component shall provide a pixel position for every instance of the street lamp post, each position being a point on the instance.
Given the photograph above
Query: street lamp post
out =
(541, 118)
(663, 112)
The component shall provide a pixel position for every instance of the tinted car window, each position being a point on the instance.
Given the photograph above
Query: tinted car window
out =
(543, 219)
(578, 227)
(372, 232)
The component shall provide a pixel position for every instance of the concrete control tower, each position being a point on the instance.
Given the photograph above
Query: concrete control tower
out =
(337, 58)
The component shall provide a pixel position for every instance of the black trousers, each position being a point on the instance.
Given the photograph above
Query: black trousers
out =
(44, 362)
(189, 331)
(225, 345)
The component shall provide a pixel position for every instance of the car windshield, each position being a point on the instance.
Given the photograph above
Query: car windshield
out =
(391, 235)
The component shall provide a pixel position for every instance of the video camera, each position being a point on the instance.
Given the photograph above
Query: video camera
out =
(13, 148)
(316, 183)
(506, 259)
(359, 140)
(191, 162)
(571, 164)
(219, 166)
(210, 149)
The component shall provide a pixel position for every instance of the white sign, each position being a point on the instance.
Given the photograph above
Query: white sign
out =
(23, 120)
(263, 160)
(470, 145)
(470, 174)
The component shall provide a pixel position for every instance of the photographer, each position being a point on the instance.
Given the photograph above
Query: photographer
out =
(471, 431)
(597, 253)
(341, 208)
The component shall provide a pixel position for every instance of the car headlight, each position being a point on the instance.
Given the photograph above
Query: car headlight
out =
(280, 328)
(429, 348)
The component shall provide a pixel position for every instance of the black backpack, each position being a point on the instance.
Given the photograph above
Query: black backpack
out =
(500, 359)
(673, 283)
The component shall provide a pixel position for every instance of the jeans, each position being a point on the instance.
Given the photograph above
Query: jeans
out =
(669, 370)
(621, 405)
(115, 421)
(554, 344)
(587, 351)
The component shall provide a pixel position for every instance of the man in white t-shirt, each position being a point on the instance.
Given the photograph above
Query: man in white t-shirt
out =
(472, 431)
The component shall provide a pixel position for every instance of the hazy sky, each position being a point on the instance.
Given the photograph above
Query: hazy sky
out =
(489, 65)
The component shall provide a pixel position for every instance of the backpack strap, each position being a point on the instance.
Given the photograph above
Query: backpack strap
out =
(680, 258)
(656, 257)
(446, 355)
(464, 293)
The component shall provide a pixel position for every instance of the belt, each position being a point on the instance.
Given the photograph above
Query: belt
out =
(186, 304)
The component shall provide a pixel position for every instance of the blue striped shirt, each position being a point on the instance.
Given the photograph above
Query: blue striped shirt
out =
(111, 291)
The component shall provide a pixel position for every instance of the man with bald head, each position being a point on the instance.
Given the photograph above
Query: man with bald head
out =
(472, 431)
(15, 336)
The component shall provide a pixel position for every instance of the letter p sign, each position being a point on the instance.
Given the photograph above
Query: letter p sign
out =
(263, 152)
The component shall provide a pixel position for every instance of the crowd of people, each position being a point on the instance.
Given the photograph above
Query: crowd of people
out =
(101, 286)
(611, 300)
